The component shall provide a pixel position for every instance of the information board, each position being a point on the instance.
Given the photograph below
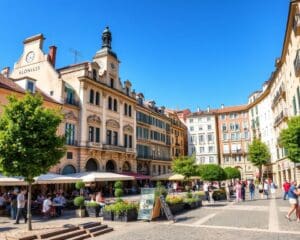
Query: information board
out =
(166, 209)
(146, 203)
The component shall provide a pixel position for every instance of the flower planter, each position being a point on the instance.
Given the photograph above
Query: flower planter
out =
(176, 208)
(108, 216)
(127, 216)
(80, 212)
(93, 211)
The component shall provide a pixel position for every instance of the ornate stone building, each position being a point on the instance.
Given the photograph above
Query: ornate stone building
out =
(100, 120)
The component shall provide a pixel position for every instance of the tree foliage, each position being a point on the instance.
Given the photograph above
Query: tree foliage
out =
(232, 173)
(185, 165)
(290, 139)
(29, 144)
(258, 153)
(212, 172)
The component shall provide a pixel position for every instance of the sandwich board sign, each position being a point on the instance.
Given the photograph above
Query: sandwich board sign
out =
(146, 203)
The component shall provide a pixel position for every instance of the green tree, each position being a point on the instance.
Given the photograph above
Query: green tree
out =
(212, 172)
(290, 139)
(186, 166)
(29, 144)
(259, 155)
(232, 173)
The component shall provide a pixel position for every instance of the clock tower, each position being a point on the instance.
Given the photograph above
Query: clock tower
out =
(107, 59)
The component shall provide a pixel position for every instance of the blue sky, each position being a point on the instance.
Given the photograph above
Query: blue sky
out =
(183, 54)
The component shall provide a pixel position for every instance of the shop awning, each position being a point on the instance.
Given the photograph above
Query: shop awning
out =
(137, 176)
(52, 178)
(11, 181)
(100, 176)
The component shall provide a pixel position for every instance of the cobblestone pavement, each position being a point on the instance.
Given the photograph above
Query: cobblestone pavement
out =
(249, 220)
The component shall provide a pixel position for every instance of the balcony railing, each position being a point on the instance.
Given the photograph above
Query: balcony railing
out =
(93, 144)
(280, 94)
(283, 115)
(71, 101)
(114, 148)
(72, 143)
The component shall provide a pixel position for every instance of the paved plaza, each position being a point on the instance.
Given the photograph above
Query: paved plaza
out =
(258, 219)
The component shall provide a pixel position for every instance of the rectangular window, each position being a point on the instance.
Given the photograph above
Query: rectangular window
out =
(224, 127)
(232, 126)
(225, 136)
(97, 137)
(69, 155)
(70, 133)
(209, 127)
(115, 138)
(210, 149)
(91, 134)
(201, 138)
(30, 86)
(97, 102)
(125, 140)
(201, 149)
(130, 141)
(191, 128)
(108, 137)
(210, 137)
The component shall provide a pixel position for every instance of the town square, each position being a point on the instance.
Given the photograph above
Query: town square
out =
(150, 120)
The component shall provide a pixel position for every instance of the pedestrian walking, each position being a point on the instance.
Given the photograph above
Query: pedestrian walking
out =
(243, 191)
(238, 191)
(211, 192)
(21, 206)
(286, 186)
(227, 190)
(251, 190)
(261, 190)
(273, 189)
(266, 189)
(293, 199)
(205, 189)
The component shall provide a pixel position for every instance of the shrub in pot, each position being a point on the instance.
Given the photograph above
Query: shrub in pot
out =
(108, 213)
(175, 203)
(79, 202)
(93, 209)
(122, 211)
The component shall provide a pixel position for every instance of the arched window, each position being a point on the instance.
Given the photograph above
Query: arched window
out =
(115, 105)
(126, 167)
(125, 109)
(97, 98)
(91, 96)
(91, 165)
(110, 103)
(69, 169)
(111, 166)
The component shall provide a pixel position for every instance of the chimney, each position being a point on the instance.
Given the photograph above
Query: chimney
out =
(208, 108)
(52, 55)
(222, 106)
(5, 72)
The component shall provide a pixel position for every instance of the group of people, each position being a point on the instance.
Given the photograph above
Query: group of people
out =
(292, 191)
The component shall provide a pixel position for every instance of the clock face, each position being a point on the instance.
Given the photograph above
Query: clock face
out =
(30, 57)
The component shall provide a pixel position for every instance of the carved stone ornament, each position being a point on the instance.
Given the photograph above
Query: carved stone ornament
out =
(112, 124)
(94, 119)
(127, 128)
(70, 116)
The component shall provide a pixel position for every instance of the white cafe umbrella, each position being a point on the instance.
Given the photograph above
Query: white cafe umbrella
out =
(53, 178)
(100, 176)
(11, 181)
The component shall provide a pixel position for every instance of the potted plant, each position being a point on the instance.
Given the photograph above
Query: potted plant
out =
(175, 203)
(79, 202)
(121, 211)
(108, 213)
(92, 209)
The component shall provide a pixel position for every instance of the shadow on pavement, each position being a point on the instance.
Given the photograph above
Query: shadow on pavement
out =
(3, 229)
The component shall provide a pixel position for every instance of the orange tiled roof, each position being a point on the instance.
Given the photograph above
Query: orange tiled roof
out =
(233, 109)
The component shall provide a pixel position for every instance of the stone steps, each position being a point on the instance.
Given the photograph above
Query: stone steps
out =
(58, 232)
(100, 232)
(68, 235)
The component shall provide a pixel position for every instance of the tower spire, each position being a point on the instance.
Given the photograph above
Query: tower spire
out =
(106, 38)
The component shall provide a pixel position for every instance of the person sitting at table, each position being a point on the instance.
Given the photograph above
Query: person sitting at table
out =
(47, 206)
(59, 201)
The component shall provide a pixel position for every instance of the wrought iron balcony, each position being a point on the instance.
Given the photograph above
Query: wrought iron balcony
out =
(283, 115)
(280, 94)
(93, 144)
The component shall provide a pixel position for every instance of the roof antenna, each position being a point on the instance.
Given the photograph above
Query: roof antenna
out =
(76, 54)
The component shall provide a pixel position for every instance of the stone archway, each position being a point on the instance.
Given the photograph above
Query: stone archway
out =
(126, 167)
(68, 169)
(91, 165)
(111, 166)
